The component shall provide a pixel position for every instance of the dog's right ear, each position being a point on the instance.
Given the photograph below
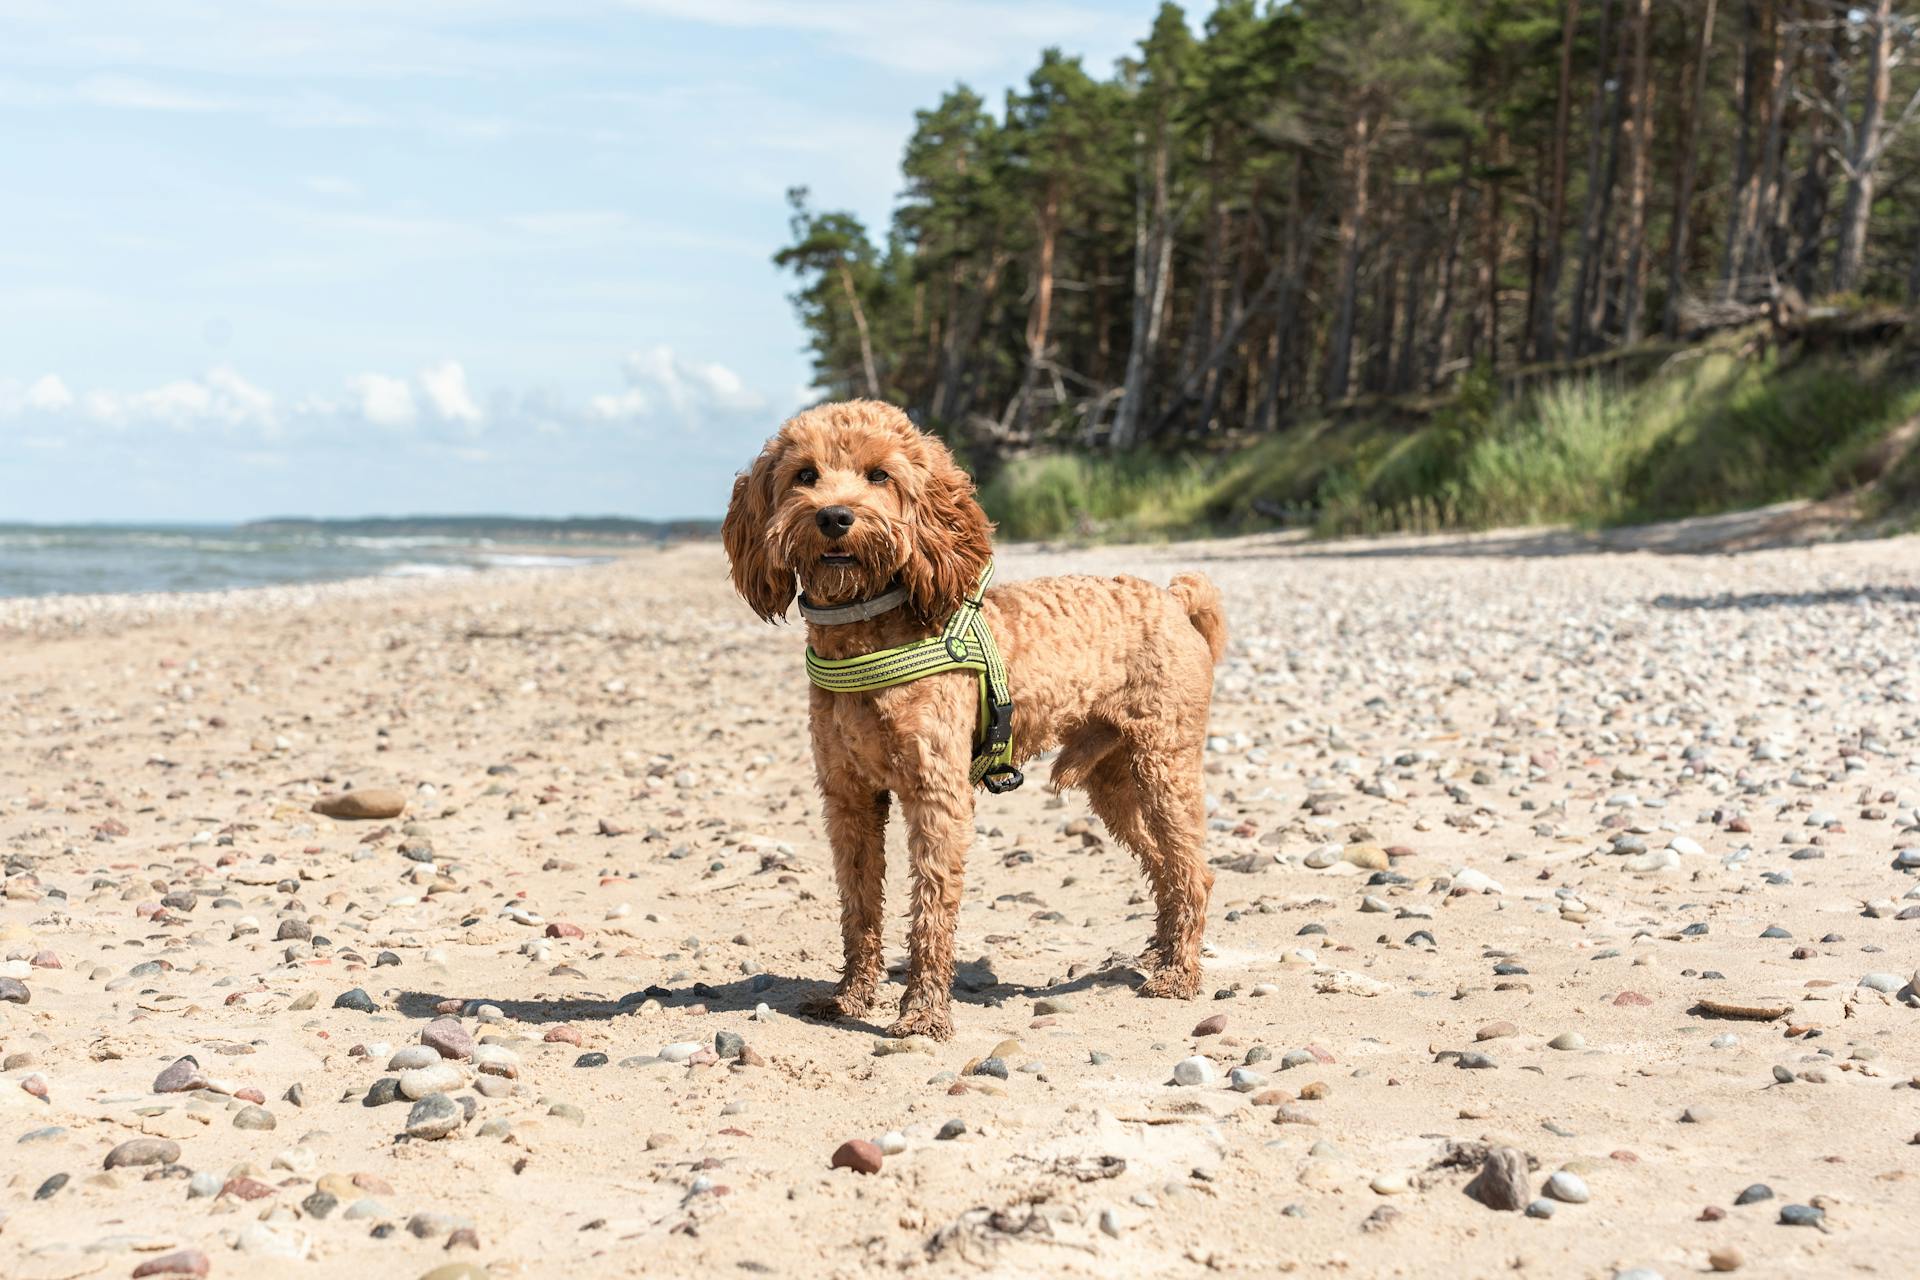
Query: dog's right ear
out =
(758, 575)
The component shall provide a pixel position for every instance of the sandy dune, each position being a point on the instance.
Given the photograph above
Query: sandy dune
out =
(1596, 779)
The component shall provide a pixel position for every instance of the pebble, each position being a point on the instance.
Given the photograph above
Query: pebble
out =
(1194, 1072)
(138, 1152)
(434, 1116)
(182, 1262)
(1568, 1188)
(423, 1081)
(182, 1076)
(1502, 1182)
(858, 1155)
(446, 1037)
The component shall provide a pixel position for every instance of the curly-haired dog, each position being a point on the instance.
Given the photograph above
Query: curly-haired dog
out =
(851, 500)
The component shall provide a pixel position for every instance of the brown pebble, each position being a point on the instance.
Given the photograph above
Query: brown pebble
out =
(185, 1262)
(563, 1034)
(1496, 1031)
(1726, 1258)
(857, 1154)
(1631, 998)
(367, 802)
(246, 1189)
(1211, 1026)
(1272, 1097)
(1712, 1213)
(1314, 1092)
(564, 929)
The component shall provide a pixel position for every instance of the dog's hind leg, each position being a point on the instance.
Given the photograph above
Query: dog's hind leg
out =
(1172, 801)
(1155, 805)
(857, 830)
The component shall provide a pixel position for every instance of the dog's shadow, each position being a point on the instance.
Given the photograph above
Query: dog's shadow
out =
(974, 984)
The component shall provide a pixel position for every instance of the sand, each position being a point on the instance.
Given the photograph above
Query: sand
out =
(622, 749)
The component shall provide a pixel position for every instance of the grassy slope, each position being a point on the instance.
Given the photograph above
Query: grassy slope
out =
(1709, 433)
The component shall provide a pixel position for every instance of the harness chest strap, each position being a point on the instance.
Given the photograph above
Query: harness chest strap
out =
(966, 643)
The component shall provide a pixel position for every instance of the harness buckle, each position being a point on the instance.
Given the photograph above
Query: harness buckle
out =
(999, 724)
(1002, 778)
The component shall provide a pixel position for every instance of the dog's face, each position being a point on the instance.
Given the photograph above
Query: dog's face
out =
(848, 499)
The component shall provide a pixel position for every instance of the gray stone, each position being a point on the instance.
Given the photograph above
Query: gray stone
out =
(434, 1116)
(1502, 1182)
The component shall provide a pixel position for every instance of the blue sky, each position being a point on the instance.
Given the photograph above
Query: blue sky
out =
(345, 257)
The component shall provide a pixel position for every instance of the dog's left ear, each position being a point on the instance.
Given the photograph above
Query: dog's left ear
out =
(758, 575)
(952, 537)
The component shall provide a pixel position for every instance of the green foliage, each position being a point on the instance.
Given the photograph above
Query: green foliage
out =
(1710, 434)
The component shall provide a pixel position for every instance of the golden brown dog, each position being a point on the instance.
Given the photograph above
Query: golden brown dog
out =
(851, 499)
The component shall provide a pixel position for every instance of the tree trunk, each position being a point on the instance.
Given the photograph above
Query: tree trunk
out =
(1603, 138)
(1815, 190)
(1689, 174)
(1545, 337)
(1040, 318)
(1861, 164)
(1486, 333)
(1152, 254)
(860, 325)
(1440, 344)
(1353, 220)
(1634, 246)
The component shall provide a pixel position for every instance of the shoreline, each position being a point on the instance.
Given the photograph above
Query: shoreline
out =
(75, 612)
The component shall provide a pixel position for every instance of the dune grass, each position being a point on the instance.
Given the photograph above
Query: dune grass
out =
(1708, 434)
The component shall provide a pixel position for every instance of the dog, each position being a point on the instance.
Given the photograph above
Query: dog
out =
(851, 500)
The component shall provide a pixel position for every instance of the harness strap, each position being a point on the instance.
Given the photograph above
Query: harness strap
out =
(966, 643)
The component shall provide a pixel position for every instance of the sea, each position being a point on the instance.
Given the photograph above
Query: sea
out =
(46, 560)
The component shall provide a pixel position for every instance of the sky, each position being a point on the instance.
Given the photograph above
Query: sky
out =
(358, 257)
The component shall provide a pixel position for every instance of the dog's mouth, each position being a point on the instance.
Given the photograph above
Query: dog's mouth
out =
(839, 559)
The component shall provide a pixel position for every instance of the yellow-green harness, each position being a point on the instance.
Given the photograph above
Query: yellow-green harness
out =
(965, 644)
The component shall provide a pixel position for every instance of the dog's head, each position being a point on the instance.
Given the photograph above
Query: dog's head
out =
(847, 499)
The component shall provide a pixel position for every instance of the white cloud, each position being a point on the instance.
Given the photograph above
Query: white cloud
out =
(445, 385)
(48, 394)
(381, 400)
(686, 386)
(222, 398)
(134, 94)
(618, 406)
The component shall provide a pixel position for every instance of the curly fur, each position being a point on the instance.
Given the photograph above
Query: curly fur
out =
(1117, 674)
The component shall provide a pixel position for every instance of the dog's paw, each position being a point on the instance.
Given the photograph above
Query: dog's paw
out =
(1172, 982)
(833, 1008)
(935, 1024)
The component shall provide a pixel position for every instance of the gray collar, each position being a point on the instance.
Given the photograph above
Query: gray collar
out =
(859, 611)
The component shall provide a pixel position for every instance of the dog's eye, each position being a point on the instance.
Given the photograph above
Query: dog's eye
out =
(876, 476)
(806, 475)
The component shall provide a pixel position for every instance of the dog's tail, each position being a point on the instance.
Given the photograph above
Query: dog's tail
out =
(1201, 599)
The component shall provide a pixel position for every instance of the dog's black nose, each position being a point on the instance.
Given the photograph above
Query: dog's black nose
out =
(834, 521)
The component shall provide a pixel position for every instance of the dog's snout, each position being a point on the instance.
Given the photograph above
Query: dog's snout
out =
(834, 521)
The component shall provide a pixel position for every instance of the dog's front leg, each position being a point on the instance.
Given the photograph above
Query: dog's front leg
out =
(857, 830)
(939, 810)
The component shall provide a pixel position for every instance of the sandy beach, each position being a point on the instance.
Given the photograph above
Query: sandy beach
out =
(1491, 818)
